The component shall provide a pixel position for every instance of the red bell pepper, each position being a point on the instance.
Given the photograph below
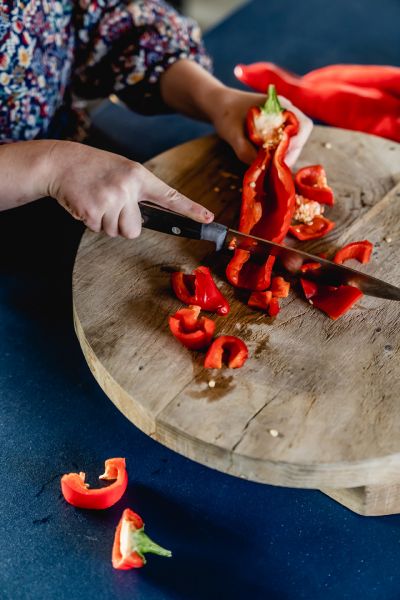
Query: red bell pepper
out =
(382, 77)
(260, 299)
(319, 227)
(76, 492)
(335, 102)
(273, 307)
(360, 251)
(192, 331)
(131, 543)
(279, 287)
(334, 301)
(311, 183)
(309, 266)
(268, 197)
(229, 348)
(199, 289)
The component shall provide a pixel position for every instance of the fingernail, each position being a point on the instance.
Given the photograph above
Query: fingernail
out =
(208, 215)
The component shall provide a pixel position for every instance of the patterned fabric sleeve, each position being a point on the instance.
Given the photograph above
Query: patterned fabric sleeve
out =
(123, 47)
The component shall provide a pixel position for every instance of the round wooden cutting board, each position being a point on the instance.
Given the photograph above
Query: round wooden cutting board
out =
(318, 402)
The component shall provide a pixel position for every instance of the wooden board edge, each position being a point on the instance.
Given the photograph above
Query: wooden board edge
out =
(370, 500)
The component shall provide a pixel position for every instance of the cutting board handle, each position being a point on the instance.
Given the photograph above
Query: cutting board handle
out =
(165, 221)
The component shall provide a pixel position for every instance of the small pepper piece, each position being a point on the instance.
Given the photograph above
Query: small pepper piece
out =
(310, 266)
(131, 543)
(334, 301)
(229, 348)
(189, 329)
(273, 307)
(310, 288)
(76, 492)
(311, 182)
(260, 300)
(199, 289)
(319, 227)
(244, 273)
(279, 287)
(360, 251)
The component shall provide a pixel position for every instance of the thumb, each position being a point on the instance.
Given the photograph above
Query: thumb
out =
(158, 192)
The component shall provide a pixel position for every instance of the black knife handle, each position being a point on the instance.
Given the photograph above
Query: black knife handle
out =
(165, 221)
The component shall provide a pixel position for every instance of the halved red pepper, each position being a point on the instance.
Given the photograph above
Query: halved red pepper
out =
(279, 287)
(311, 182)
(199, 289)
(360, 251)
(193, 332)
(229, 349)
(76, 492)
(268, 197)
(131, 543)
(319, 227)
(334, 301)
(260, 300)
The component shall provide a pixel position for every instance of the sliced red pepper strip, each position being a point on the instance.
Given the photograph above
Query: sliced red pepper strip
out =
(192, 331)
(336, 103)
(131, 543)
(360, 251)
(273, 307)
(319, 227)
(229, 348)
(260, 299)
(199, 289)
(310, 266)
(310, 288)
(76, 492)
(311, 182)
(279, 287)
(245, 273)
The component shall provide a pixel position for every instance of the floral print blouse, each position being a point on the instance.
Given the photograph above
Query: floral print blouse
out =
(52, 51)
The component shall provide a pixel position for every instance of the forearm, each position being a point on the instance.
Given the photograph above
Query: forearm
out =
(189, 89)
(24, 172)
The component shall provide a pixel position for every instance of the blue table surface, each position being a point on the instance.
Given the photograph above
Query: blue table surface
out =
(230, 538)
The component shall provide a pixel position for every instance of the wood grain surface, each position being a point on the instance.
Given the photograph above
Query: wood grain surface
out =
(331, 389)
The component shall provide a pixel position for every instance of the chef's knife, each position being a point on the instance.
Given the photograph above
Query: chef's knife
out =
(165, 221)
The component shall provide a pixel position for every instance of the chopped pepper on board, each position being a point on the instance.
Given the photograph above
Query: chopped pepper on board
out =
(279, 287)
(311, 183)
(260, 300)
(77, 492)
(226, 348)
(360, 251)
(268, 197)
(199, 289)
(334, 301)
(131, 543)
(189, 329)
(338, 103)
(273, 307)
(319, 227)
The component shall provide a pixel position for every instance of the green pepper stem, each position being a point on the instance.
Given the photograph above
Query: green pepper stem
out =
(272, 104)
(143, 544)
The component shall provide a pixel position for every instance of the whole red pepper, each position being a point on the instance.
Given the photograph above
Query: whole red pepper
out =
(131, 543)
(229, 348)
(337, 103)
(311, 182)
(199, 289)
(193, 332)
(268, 197)
(77, 492)
(360, 251)
(382, 77)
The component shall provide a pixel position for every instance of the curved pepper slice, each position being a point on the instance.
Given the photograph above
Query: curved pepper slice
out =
(260, 300)
(360, 251)
(131, 543)
(229, 348)
(280, 287)
(309, 266)
(199, 289)
(311, 183)
(245, 273)
(319, 227)
(193, 332)
(76, 492)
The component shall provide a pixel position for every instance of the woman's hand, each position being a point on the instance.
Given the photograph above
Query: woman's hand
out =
(228, 113)
(103, 189)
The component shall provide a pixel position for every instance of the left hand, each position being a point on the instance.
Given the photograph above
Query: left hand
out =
(228, 115)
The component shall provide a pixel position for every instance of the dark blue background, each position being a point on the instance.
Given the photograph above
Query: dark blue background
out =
(230, 538)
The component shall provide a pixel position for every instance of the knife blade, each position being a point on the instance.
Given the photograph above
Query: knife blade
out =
(166, 221)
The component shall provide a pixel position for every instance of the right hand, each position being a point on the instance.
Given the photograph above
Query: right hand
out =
(103, 189)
